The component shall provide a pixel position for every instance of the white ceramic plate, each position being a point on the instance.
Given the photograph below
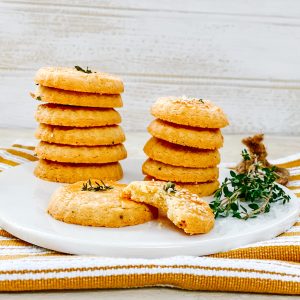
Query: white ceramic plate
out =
(24, 199)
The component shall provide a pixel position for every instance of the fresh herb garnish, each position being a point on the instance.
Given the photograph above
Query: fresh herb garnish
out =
(249, 194)
(88, 71)
(245, 155)
(88, 186)
(201, 101)
(39, 98)
(169, 187)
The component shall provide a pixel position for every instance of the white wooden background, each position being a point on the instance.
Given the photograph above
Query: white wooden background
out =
(244, 55)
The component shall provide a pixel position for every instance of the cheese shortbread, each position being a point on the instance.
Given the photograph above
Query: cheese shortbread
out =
(86, 136)
(190, 112)
(177, 155)
(53, 95)
(95, 203)
(76, 116)
(70, 172)
(202, 189)
(186, 210)
(80, 154)
(80, 80)
(185, 135)
(167, 172)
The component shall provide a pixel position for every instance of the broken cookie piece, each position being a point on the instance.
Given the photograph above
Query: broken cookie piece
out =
(186, 210)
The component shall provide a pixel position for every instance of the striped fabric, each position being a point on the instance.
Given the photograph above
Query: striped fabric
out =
(267, 267)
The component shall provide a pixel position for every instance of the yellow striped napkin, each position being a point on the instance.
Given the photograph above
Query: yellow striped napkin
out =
(272, 266)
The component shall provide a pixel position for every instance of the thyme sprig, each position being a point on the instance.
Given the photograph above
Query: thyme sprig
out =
(87, 71)
(247, 195)
(88, 186)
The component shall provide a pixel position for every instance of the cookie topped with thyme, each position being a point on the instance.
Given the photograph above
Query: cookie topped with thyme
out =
(97, 203)
(79, 79)
(190, 112)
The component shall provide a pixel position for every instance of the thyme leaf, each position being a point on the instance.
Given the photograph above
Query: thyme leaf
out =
(245, 155)
(87, 71)
(169, 187)
(88, 186)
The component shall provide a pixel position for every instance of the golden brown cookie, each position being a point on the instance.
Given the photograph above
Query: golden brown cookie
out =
(87, 136)
(186, 210)
(177, 155)
(64, 115)
(81, 154)
(70, 173)
(57, 96)
(104, 208)
(201, 189)
(166, 172)
(189, 112)
(71, 79)
(185, 135)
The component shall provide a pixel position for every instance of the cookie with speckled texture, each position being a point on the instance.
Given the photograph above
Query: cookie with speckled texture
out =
(70, 172)
(65, 115)
(201, 189)
(71, 79)
(167, 172)
(103, 208)
(80, 154)
(186, 210)
(87, 136)
(177, 155)
(186, 135)
(58, 96)
(189, 112)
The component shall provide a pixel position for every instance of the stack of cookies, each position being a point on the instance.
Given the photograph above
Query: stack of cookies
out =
(185, 143)
(79, 131)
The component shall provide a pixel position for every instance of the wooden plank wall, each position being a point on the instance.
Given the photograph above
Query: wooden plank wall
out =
(242, 54)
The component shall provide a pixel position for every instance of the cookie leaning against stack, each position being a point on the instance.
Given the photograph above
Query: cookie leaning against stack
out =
(79, 131)
(185, 143)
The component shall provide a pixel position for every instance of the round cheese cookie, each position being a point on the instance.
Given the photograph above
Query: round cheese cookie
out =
(64, 115)
(87, 136)
(52, 95)
(166, 172)
(104, 208)
(185, 135)
(80, 154)
(177, 155)
(186, 210)
(201, 189)
(189, 112)
(70, 173)
(74, 79)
